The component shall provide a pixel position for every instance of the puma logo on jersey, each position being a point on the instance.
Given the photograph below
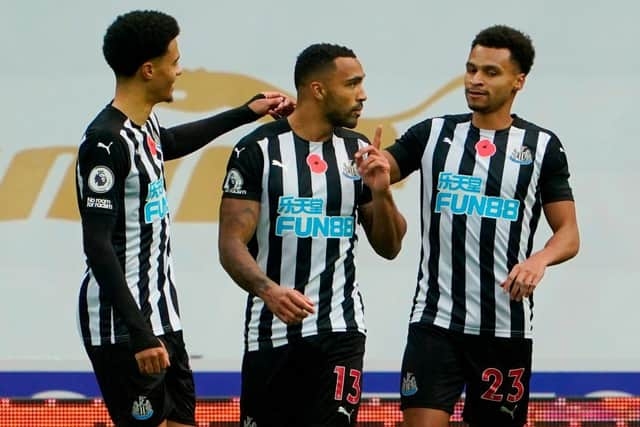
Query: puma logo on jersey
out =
(341, 410)
(238, 151)
(106, 147)
(277, 163)
(447, 140)
(510, 412)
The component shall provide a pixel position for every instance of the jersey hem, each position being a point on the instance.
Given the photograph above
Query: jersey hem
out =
(279, 342)
(500, 333)
(123, 339)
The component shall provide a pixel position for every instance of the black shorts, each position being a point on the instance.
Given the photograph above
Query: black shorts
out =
(312, 382)
(439, 363)
(134, 399)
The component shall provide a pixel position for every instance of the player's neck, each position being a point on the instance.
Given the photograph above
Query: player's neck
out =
(495, 120)
(133, 102)
(310, 124)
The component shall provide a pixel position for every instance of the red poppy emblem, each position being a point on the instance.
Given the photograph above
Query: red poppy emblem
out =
(485, 148)
(152, 145)
(317, 163)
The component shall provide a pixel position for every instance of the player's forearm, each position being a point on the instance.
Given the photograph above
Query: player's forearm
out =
(387, 225)
(189, 137)
(242, 267)
(107, 271)
(562, 246)
(110, 278)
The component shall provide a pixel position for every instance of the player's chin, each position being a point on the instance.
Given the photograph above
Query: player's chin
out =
(478, 108)
(350, 122)
(169, 95)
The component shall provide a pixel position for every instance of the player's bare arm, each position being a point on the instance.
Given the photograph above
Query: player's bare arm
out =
(238, 221)
(383, 223)
(561, 246)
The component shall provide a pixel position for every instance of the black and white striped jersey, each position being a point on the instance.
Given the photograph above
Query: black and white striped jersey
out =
(481, 197)
(120, 173)
(306, 232)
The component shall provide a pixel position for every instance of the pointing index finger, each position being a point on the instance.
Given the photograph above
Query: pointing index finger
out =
(377, 137)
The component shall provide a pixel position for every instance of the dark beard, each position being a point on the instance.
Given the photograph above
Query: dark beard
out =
(338, 120)
(480, 109)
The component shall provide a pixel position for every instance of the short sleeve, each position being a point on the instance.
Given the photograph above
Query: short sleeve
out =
(244, 172)
(554, 174)
(408, 149)
(102, 170)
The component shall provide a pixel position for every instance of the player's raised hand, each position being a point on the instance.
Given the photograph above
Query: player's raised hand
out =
(373, 166)
(284, 108)
(288, 304)
(276, 104)
(153, 360)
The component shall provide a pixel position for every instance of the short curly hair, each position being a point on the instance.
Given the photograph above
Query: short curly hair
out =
(318, 57)
(136, 37)
(518, 43)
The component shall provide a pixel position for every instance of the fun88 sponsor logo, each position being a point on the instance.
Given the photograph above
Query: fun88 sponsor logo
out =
(303, 216)
(461, 195)
(156, 205)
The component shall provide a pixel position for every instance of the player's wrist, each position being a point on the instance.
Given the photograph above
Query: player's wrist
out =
(543, 257)
(143, 340)
(382, 194)
(251, 108)
(265, 290)
(254, 97)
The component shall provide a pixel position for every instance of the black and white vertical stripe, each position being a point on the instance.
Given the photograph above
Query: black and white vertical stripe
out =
(464, 258)
(144, 250)
(321, 268)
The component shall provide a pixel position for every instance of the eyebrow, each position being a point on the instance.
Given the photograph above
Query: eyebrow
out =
(355, 79)
(484, 67)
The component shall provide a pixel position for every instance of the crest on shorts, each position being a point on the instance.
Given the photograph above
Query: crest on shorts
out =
(141, 408)
(409, 385)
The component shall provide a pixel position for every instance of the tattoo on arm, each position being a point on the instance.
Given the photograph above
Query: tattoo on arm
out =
(238, 221)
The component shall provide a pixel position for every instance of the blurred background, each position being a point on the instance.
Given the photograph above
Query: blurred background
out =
(583, 86)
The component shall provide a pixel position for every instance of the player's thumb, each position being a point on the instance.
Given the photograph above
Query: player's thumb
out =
(164, 359)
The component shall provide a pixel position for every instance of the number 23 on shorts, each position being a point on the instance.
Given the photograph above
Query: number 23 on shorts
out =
(495, 378)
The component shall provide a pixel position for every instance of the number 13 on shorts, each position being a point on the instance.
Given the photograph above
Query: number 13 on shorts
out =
(495, 378)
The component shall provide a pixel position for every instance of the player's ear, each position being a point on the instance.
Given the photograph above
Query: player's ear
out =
(519, 83)
(146, 70)
(317, 90)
